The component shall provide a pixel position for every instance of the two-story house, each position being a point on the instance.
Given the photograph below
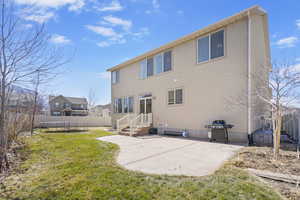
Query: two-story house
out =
(186, 84)
(68, 106)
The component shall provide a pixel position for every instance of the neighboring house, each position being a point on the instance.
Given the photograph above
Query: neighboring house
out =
(20, 100)
(67, 106)
(101, 111)
(186, 83)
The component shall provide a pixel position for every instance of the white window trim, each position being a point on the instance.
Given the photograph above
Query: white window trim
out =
(209, 47)
(174, 89)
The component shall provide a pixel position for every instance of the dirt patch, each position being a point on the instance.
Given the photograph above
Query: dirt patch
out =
(261, 158)
(15, 156)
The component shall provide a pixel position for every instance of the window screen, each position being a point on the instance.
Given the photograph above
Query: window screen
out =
(143, 69)
(167, 61)
(217, 44)
(158, 63)
(115, 76)
(120, 106)
(179, 96)
(203, 49)
(130, 108)
(171, 97)
(125, 104)
(149, 67)
(116, 106)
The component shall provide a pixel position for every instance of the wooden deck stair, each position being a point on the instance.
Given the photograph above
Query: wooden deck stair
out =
(137, 125)
(138, 132)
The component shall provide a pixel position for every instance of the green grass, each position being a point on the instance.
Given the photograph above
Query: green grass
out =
(77, 166)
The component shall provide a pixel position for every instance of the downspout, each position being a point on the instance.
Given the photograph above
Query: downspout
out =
(249, 74)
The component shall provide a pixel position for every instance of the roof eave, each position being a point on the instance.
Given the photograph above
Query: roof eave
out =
(255, 10)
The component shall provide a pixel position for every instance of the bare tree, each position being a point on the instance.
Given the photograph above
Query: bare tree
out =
(284, 82)
(23, 54)
(92, 98)
(275, 92)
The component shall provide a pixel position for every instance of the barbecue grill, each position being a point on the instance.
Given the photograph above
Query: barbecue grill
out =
(218, 131)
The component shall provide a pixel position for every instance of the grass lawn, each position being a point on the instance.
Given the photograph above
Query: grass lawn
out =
(77, 166)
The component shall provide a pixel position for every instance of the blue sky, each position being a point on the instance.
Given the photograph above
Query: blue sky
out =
(104, 33)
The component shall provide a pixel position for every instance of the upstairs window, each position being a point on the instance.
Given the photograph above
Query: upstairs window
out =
(175, 96)
(210, 46)
(149, 67)
(115, 76)
(155, 65)
(217, 44)
(167, 61)
(158, 63)
(143, 69)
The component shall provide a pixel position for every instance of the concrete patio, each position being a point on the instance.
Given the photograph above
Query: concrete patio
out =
(169, 155)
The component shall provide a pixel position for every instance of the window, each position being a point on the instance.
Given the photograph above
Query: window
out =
(56, 104)
(116, 106)
(126, 104)
(203, 49)
(175, 96)
(158, 63)
(178, 96)
(155, 65)
(120, 106)
(130, 106)
(217, 44)
(171, 99)
(143, 69)
(211, 46)
(115, 76)
(167, 61)
(149, 67)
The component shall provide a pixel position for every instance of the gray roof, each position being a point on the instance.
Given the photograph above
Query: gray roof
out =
(73, 100)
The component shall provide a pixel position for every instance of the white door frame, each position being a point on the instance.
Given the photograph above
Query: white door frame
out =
(145, 104)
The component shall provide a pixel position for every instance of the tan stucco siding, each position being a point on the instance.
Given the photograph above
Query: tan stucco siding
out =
(259, 67)
(207, 87)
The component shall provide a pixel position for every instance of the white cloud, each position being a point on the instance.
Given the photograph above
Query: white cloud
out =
(105, 75)
(287, 42)
(77, 5)
(52, 3)
(59, 39)
(115, 21)
(113, 6)
(142, 32)
(104, 44)
(298, 23)
(297, 59)
(101, 30)
(36, 14)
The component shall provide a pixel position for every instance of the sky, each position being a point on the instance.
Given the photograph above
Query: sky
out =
(102, 33)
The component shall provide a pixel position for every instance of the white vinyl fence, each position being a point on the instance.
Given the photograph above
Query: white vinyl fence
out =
(46, 121)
